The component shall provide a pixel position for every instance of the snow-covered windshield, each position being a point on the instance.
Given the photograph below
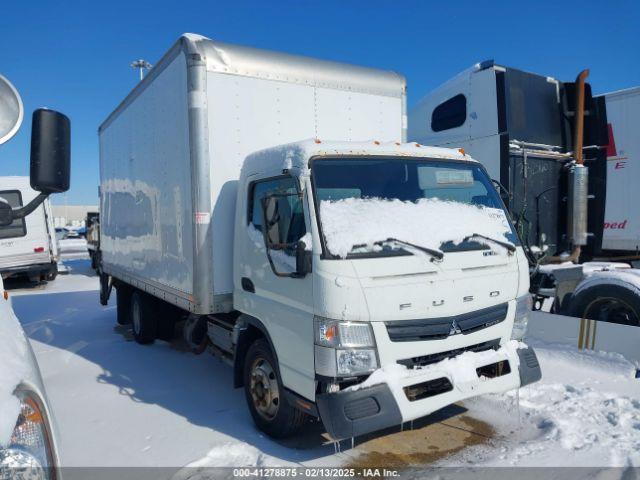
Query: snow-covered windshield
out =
(437, 204)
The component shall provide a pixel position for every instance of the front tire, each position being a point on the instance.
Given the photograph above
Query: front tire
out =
(144, 322)
(265, 394)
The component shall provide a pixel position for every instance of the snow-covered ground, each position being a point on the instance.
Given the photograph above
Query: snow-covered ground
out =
(118, 403)
(121, 404)
(585, 412)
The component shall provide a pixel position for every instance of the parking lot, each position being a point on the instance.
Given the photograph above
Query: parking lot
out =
(161, 405)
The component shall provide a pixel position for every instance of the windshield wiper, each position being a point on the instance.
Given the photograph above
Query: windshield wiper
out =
(506, 245)
(434, 253)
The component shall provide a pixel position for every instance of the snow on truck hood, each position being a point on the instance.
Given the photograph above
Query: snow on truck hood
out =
(363, 221)
(297, 155)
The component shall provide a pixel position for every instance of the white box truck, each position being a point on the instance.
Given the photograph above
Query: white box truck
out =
(359, 279)
(28, 246)
(621, 217)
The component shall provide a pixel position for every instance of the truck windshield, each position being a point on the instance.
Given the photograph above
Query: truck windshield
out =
(381, 206)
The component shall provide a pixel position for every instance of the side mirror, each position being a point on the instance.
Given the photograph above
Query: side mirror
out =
(288, 259)
(271, 217)
(303, 259)
(6, 214)
(50, 151)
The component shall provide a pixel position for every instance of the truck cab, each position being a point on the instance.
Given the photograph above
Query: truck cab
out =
(381, 282)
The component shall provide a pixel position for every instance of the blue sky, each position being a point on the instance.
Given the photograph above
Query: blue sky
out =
(74, 56)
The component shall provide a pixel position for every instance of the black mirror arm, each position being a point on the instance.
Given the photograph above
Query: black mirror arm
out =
(22, 212)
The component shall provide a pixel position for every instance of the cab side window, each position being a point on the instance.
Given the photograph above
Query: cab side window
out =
(18, 227)
(292, 226)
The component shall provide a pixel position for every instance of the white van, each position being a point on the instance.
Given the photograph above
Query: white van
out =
(28, 246)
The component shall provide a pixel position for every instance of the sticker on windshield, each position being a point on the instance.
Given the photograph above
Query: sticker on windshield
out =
(498, 214)
(454, 177)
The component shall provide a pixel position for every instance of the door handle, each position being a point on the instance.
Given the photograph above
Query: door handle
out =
(247, 285)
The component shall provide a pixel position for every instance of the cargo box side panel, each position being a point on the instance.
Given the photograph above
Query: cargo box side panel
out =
(621, 223)
(146, 201)
(248, 114)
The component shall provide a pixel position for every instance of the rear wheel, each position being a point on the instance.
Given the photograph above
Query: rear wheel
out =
(52, 274)
(265, 395)
(144, 323)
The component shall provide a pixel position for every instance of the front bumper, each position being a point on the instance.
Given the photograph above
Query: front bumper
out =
(395, 395)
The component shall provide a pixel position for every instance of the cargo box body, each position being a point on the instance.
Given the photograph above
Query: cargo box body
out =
(171, 154)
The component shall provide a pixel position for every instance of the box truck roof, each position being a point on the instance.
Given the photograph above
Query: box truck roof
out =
(296, 155)
(254, 62)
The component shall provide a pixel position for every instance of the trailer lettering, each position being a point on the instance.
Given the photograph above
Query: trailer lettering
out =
(615, 225)
(619, 165)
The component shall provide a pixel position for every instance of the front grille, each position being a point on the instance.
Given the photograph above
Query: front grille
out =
(438, 328)
(436, 357)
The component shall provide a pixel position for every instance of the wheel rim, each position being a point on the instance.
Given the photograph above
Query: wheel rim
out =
(264, 390)
(613, 310)
(135, 314)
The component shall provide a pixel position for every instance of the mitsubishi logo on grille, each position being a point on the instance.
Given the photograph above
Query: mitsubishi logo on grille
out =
(455, 329)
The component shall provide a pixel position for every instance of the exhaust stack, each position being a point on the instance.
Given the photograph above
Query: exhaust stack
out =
(578, 178)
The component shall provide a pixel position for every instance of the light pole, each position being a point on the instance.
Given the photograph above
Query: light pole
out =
(142, 65)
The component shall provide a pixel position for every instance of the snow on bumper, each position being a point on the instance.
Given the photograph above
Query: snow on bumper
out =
(395, 394)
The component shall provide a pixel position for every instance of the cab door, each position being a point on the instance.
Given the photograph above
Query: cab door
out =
(283, 303)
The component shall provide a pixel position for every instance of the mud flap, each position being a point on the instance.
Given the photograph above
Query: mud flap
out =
(106, 285)
(529, 368)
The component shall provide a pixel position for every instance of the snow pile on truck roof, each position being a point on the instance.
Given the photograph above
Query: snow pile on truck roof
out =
(296, 155)
(428, 222)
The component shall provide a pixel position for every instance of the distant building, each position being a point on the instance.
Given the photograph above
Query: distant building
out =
(71, 215)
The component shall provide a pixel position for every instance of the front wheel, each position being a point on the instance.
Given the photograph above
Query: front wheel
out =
(265, 395)
(608, 303)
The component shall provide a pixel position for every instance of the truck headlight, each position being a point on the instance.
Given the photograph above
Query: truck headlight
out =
(355, 362)
(524, 305)
(344, 349)
(29, 453)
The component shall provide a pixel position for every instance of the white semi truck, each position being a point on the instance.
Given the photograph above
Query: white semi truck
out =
(362, 280)
(522, 127)
(28, 246)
